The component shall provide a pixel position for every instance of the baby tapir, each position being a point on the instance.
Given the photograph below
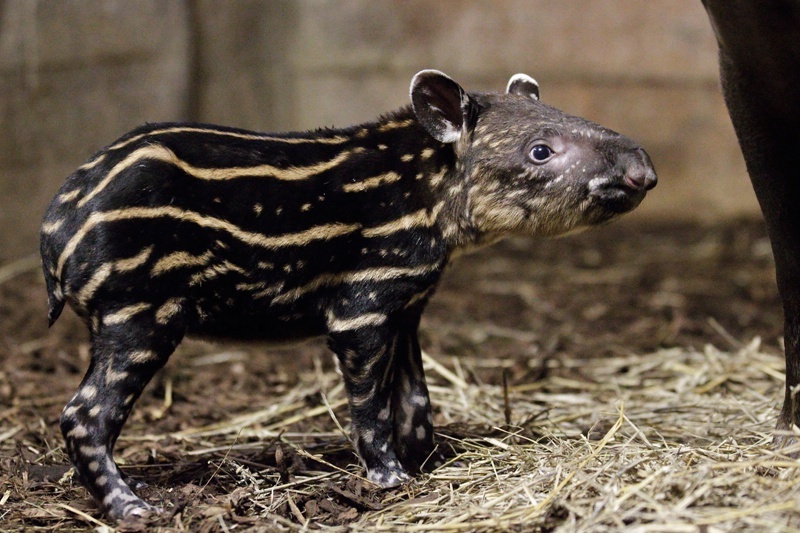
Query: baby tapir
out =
(180, 229)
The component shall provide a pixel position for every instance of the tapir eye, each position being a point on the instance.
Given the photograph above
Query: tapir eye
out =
(541, 153)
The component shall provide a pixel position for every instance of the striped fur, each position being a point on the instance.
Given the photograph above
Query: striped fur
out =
(180, 229)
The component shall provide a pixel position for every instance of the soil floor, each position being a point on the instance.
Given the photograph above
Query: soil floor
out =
(629, 288)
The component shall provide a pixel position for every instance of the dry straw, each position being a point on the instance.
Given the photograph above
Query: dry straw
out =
(675, 440)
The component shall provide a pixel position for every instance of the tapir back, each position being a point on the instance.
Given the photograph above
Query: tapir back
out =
(243, 230)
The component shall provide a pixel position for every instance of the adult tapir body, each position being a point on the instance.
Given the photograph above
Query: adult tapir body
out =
(759, 44)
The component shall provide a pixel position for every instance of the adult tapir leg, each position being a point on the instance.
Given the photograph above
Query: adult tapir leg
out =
(759, 42)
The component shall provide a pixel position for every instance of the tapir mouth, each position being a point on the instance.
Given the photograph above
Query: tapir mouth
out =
(618, 197)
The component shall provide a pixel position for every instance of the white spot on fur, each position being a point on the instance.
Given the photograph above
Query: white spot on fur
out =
(142, 356)
(51, 227)
(367, 437)
(78, 432)
(419, 400)
(88, 392)
(336, 324)
(389, 479)
(111, 496)
(126, 313)
(596, 183)
(113, 376)
(92, 451)
(554, 182)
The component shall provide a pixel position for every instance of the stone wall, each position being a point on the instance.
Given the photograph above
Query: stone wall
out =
(75, 74)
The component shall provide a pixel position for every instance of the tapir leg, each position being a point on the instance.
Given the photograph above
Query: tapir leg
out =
(365, 347)
(759, 43)
(411, 406)
(126, 352)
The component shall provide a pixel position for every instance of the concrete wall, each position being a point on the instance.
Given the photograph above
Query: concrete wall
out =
(75, 74)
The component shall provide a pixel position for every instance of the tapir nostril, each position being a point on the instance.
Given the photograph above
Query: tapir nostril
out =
(635, 181)
(640, 174)
(639, 179)
(649, 178)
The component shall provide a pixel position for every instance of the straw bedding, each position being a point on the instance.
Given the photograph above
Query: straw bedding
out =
(613, 380)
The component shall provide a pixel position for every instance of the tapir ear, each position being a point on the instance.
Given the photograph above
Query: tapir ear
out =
(523, 85)
(441, 105)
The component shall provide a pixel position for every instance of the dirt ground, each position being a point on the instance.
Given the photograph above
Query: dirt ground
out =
(626, 289)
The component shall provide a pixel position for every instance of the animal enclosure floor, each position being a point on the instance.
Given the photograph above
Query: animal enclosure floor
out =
(643, 376)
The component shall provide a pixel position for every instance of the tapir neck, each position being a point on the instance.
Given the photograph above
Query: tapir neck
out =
(397, 165)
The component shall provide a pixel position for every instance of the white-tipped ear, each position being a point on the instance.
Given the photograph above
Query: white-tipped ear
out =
(523, 85)
(440, 104)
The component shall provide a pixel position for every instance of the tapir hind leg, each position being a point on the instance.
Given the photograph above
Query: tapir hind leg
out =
(126, 353)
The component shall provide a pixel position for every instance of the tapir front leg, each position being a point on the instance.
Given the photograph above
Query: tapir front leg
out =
(365, 345)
